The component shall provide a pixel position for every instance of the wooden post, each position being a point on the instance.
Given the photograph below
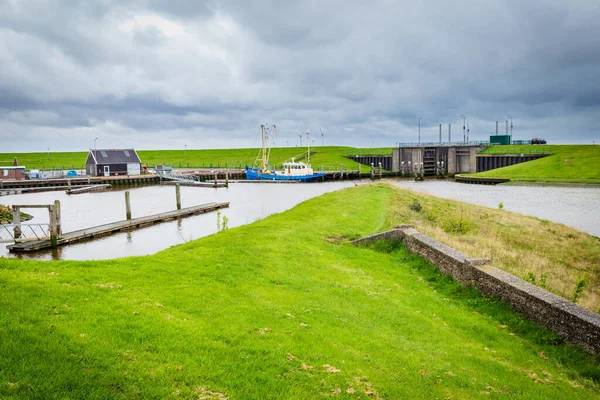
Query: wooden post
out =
(216, 178)
(358, 170)
(372, 171)
(380, 170)
(178, 196)
(69, 183)
(57, 217)
(16, 220)
(341, 171)
(127, 205)
(53, 234)
(227, 178)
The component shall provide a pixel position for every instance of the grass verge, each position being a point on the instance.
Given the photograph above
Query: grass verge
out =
(282, 308)
(568, 163)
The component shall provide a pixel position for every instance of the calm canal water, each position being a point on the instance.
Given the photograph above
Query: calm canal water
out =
(248, 203)
(576, 207)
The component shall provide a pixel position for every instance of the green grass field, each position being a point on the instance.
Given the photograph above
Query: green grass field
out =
(328, 156)
(282, 308)
(568, 163)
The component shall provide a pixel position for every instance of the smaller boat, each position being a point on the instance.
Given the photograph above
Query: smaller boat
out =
(292, 170)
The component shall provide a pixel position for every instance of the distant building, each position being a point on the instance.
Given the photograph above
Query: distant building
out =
(13, 173)
(109, 162)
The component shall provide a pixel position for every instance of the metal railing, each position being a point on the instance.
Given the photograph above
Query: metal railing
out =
(23, 232)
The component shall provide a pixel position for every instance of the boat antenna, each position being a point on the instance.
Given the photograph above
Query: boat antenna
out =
(259, 154)
(271, 142)
(322, 137)
(308, 140)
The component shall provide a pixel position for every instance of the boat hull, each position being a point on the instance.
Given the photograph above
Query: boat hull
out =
(252, 175)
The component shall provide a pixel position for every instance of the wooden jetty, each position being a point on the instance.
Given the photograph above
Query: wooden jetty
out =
(88, 189)
(114, 227)
(196, 184)
(121, 180)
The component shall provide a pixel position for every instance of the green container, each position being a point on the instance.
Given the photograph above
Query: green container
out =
(500, 139)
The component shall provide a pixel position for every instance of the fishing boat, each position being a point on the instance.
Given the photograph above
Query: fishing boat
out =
(292, 170)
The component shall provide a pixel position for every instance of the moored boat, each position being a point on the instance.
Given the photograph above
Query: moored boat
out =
(292, 170)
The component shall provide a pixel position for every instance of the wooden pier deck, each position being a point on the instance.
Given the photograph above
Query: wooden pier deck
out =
(88, 189)
(114, 227)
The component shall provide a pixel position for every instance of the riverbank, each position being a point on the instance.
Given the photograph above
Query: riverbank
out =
(577, 164)
(282, 308)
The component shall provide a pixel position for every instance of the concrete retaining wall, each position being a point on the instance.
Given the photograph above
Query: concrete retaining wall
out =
(572, 323)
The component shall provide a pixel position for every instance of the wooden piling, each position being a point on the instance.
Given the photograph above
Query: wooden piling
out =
(227, 178)
(342, 172)
(53, 230)
(127, 205)
(380, 170)
(16, 220)
(57, 217)
(178, 196)
(372, 171)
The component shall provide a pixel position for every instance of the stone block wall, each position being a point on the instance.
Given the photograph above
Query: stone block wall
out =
(572, 323)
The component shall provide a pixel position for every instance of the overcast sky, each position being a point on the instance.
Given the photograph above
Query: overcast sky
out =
(206, 74)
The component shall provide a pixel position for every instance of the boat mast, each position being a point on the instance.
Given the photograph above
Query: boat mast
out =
(308, 140)
(263, 131)
(271, 136)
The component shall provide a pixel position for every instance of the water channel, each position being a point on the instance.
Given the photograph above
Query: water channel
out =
(576, 207)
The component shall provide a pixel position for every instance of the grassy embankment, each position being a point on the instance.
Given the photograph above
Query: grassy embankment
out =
(282, 308)
(568, 163)
(328, 156)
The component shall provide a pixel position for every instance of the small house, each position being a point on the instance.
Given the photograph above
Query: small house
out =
(110, 162)
(12, 173)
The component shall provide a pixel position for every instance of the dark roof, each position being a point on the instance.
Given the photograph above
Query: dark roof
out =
(115, 156)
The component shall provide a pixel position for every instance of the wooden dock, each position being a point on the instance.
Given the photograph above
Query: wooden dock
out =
(114, 227)
(88, 189)
(195, 184)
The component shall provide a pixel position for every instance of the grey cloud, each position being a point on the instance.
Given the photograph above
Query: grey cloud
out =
(364, 72)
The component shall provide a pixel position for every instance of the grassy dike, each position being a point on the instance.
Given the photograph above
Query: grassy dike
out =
(281, 308)
(568, 164)
(328, 156)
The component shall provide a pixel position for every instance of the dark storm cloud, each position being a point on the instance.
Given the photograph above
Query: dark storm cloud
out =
(181, 72)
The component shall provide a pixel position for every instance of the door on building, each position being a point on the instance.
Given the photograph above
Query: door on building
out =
(106, 170)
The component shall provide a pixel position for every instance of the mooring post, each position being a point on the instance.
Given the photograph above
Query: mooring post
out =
(216, 177)
(358, 170)
(69, 183)
(53, 232)
(127, 205)
(342, 171)
(16, 220)
(380, 170)
(178, 196)
(372, 171)
(57, 216)
(227, 178)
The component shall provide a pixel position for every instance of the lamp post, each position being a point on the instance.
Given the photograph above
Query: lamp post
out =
(468, 120)
(464, 125)
(420, 118)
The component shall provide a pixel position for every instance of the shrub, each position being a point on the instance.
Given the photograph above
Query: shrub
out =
(416, 206)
